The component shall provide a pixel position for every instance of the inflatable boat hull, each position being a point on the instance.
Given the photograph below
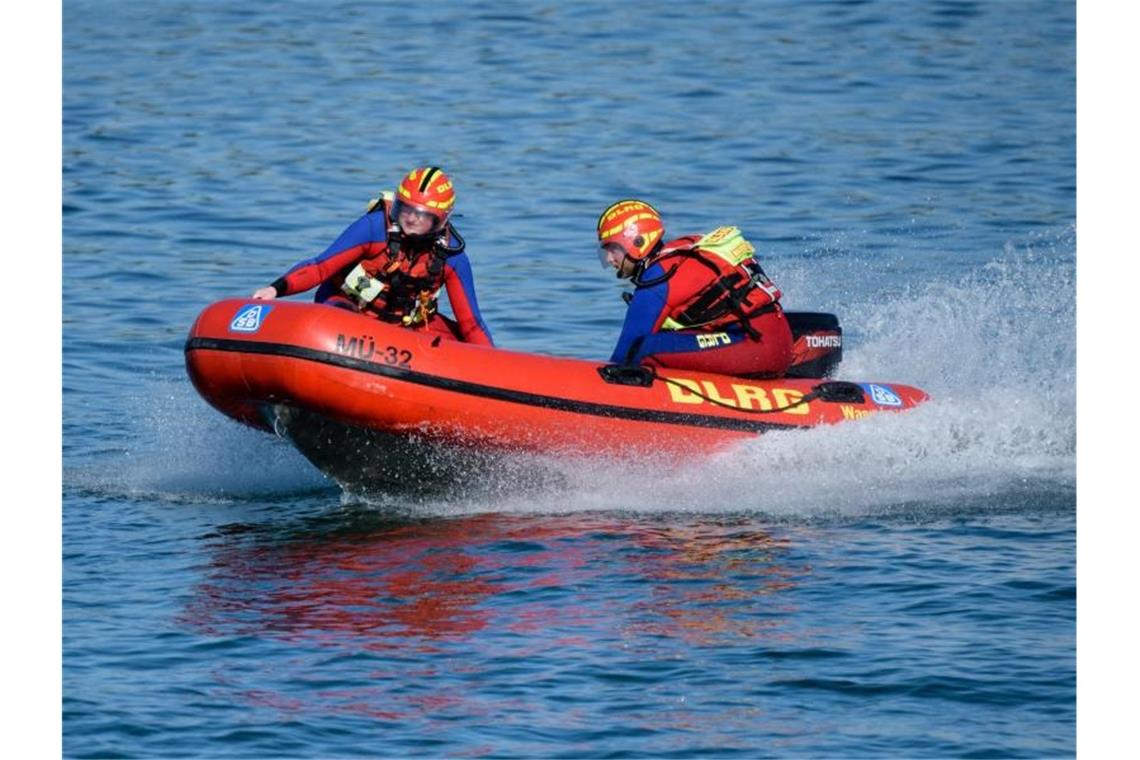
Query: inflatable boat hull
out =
(295, 367)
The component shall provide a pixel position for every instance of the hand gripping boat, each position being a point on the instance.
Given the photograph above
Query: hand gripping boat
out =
(369, 402)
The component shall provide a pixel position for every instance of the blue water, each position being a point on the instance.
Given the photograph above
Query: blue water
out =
(899, 586)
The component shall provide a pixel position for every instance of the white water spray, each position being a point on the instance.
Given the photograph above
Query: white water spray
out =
(995, 349)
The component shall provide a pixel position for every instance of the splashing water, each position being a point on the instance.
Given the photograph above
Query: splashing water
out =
(186, 451)
(995, 348)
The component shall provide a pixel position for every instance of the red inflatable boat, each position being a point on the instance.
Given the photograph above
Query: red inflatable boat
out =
(340, 385)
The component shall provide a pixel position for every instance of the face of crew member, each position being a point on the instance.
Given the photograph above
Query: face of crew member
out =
(415, 221)
(616, 258)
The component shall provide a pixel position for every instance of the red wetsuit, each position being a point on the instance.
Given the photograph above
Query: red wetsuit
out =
(412, 271)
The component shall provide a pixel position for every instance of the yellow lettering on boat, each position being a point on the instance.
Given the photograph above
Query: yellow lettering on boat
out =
(788, 396)
(851, 413)
(680, 395)
(747, 394)
(743, 396)
(714, 395)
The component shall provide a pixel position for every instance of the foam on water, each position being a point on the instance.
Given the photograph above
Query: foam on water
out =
(221, 598)
(995, 348)
(184, 450)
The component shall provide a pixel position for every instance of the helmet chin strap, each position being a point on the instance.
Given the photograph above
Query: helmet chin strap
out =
(438, 239)
(416, 243)
(627, 263)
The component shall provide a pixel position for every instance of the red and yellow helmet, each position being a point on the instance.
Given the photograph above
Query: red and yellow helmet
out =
(632, 225)
(427, 190)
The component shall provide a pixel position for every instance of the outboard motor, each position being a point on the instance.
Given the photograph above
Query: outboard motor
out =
(817, 343)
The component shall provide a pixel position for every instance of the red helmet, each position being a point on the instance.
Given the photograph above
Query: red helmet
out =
(427, 190)
(632, 225)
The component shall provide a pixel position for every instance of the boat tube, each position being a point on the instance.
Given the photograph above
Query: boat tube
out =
(339, 385)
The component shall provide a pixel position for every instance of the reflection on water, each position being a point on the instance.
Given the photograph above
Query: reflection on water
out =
(366, 583)
(206, 148)
(716, 581)
(406, 622)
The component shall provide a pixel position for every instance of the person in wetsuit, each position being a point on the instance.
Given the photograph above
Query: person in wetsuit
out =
(700, 302)
(392, 262)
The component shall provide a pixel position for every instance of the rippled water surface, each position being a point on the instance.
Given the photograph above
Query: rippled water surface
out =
(899, 586)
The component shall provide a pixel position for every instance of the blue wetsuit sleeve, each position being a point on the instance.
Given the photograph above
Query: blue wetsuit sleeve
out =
(641, 318)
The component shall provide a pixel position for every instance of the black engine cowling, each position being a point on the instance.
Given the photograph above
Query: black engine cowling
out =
(817, 343)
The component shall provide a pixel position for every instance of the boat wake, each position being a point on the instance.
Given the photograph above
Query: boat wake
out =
(182, 451)
(995, 348)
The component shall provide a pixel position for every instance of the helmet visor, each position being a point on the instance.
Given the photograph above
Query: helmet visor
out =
(417, 220)
(610, 255)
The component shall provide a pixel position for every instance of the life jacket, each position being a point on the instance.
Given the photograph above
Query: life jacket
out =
(401, 283)
(738, 291)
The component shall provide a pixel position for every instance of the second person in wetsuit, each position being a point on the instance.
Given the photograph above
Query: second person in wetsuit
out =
(701, 302)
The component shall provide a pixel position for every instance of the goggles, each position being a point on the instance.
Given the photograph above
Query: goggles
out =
(605, 250)
(613, 256)
(405, 213)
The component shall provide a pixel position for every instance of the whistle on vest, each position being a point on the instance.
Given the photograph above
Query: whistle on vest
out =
(424, 308)
(361, 286)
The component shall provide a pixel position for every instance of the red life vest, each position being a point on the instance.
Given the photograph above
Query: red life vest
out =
(408, 272)
(737, 291)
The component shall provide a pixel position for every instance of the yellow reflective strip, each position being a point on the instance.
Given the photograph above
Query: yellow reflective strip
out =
(621, 207)
(611, 231)
(619, 227)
